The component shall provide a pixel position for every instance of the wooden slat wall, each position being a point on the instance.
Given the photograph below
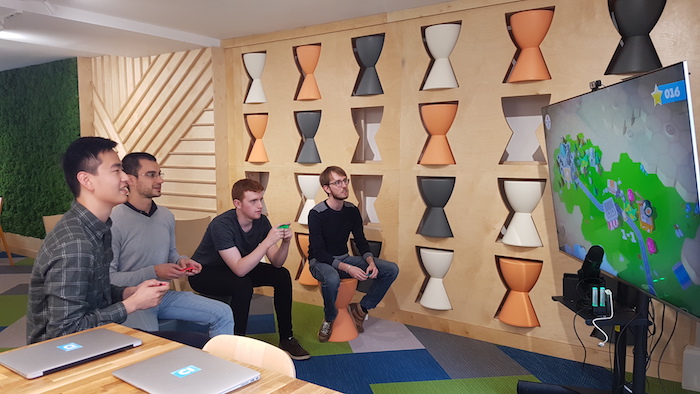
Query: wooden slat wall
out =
(163, 105)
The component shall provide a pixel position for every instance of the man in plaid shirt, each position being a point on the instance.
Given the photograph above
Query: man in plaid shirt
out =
(69, 289)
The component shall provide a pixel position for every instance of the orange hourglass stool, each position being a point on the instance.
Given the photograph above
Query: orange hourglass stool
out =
(344, 327)
(520, 277)
(307, 57)
(529, 29)
(437, 119)
(257, 123)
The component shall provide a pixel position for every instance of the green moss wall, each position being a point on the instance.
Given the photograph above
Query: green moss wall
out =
(39, 117)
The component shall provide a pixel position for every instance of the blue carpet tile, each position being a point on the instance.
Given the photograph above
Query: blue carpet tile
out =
(368, 368)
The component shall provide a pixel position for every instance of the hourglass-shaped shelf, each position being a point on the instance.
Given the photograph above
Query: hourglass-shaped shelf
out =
(436, 263)
(307, 57)
(307, 123)
(520, 276)
(304, 274)
(528, 29)
(436, 192)
(256, 123)
(524, 116)
(367, 122)
(437, 120)
(367, 50)
(263, 178)
(308, 185)
(522, 196)
(634, 20)
(366, 189)
(440, 41)
(254, 64)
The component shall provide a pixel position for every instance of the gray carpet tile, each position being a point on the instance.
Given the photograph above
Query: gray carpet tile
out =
(17, 269)
(261, 305)
(464, 358)
(20, 289)
(14, 335)
(384, 335)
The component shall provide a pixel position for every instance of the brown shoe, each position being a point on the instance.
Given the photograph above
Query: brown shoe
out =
(325, 332)
(358, 316)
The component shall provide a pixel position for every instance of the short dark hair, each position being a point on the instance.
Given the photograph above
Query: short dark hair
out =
(83, 155)
(245, 185)
(131, 163)
(325, 177)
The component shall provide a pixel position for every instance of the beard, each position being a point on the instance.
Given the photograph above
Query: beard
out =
(341, 196)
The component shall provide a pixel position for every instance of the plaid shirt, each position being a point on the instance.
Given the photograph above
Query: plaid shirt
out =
(69, 290)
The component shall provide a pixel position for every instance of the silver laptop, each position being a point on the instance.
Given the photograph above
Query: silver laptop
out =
(64, 352)
(187, 370)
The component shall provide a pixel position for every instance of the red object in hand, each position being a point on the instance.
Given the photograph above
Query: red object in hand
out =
(188, 269)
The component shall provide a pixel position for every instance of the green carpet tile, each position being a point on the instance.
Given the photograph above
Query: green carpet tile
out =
(499, 385)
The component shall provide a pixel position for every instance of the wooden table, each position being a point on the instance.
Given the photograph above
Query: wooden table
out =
(96, 376)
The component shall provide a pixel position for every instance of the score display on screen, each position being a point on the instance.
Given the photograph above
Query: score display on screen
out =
(624, 175)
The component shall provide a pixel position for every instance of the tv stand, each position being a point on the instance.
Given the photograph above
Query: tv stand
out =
(635, 320)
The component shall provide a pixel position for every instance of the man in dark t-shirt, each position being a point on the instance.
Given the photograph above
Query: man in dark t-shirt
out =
(231, 252)
(330, 225)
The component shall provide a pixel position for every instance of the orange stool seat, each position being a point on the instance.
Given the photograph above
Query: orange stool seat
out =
(344, 327)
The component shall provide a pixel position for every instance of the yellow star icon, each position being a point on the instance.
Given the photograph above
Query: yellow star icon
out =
(656, 94)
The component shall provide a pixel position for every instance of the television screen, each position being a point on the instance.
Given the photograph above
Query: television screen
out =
(624, 175)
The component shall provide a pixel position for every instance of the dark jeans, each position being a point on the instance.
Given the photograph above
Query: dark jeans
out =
(221, 281)
(330, 280)
(190, 338)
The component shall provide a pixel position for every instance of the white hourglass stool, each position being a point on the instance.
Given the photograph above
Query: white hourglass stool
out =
(523, 197)
(437, 263)
(309, 185)
(441, 40)
(254, 65)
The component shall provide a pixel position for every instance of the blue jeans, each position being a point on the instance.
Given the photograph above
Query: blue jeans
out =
(187, 306)
(330, 281)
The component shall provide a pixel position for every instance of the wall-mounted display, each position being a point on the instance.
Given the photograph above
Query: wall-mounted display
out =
(255, 64)
(436, 263)
(528, 29)
(437, 120)
(367, 50)
(307, 57)
(256, 123)
(436, 192)
(440, 41)
(520, 276)
(307, 123)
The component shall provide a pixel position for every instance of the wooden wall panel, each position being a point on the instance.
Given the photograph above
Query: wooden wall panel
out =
(162, 105)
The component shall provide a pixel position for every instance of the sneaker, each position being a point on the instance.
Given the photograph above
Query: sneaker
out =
(293, 347)
(358, 316)
(325, 332)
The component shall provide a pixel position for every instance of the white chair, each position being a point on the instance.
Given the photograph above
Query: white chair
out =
(251, 351)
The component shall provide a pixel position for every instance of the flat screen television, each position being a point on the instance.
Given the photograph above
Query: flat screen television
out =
(623, 168)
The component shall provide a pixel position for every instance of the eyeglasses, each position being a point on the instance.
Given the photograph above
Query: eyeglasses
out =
(340, 182)
(154, 175)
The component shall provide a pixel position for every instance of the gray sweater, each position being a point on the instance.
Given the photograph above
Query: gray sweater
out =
(139, 242)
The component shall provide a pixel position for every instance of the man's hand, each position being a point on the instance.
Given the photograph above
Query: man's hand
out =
(286, 231)
(189, 267)
(372, 270)
(274, 236)
(169, 271)
(356, 272)
(146, 295)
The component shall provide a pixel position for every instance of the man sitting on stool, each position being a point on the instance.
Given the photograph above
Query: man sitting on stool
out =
(330, 225)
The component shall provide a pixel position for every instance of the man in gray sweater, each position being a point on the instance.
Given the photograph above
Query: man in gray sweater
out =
(143, 241)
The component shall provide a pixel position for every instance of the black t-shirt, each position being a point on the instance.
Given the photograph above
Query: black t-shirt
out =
(224, 232)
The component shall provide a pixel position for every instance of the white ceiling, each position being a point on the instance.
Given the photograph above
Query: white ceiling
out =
(41, 31)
